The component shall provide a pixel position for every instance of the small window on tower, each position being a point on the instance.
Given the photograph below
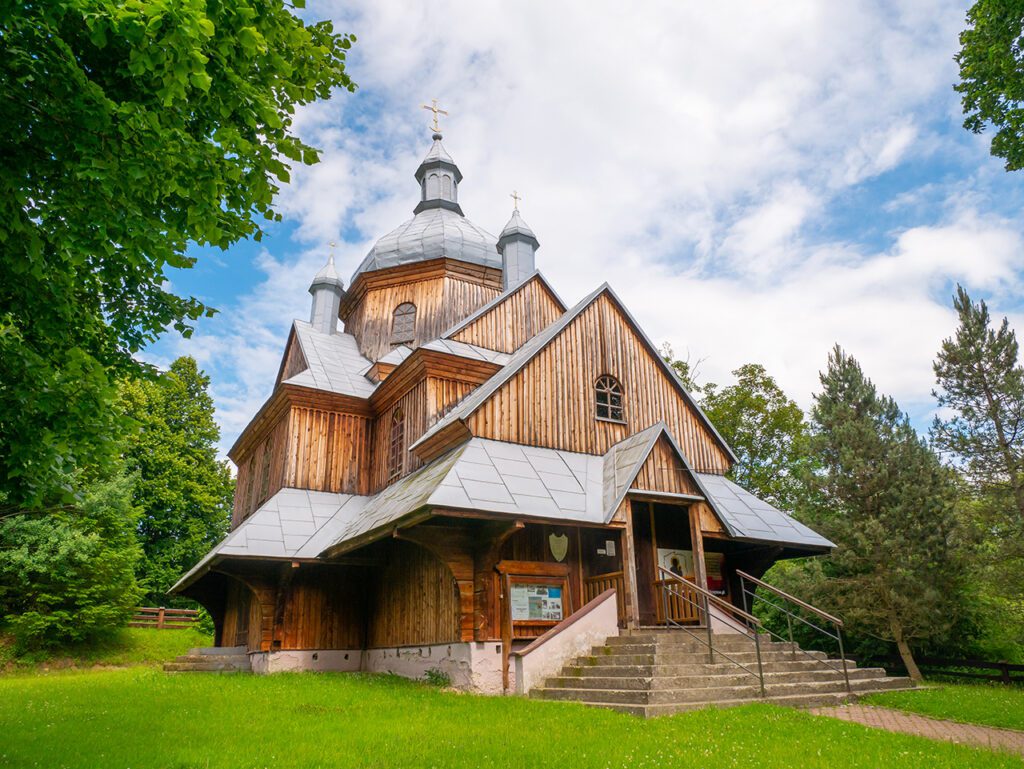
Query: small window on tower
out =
(446, 186)
(608, 394)
(403, 323)
(396, 447)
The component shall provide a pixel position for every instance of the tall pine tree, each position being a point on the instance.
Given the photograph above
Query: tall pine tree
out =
(981, 385)
(887, 502)
(184, 493)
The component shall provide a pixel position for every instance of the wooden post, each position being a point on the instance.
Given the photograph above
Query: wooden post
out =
(700, 575)
(629, 572)
(160, 618)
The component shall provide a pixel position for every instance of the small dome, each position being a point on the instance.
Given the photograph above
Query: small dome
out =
(431, 234)
(328, 276)
(516, 226)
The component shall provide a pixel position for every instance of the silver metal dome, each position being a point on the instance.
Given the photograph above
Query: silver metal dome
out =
(431, 234)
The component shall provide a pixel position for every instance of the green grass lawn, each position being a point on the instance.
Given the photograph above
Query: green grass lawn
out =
(975, 704)
(141, 717)
(131, 646)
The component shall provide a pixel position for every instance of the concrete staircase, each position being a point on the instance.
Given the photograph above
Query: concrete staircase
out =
(214, 659)
(653, 672)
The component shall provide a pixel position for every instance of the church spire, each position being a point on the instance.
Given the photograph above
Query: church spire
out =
(327, 289)
(518, 248)
(438, 175)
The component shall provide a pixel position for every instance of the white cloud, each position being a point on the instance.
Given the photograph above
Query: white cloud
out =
(687, 152)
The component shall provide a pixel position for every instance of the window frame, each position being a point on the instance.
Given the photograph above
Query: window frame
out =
(396, 445)
(608, 387)
(408, 316)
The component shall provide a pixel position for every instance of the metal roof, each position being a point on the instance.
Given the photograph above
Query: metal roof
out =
(293, 523)
(431, 234)
(749, 517)
(497, 478)
(465, 350)
(333, 362)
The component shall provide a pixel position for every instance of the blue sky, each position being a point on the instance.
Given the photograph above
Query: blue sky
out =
(757, 181)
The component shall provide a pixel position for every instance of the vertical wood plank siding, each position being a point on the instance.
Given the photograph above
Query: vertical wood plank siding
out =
(327, 450)
(664, 472)
(414, 407)
(251, 469)
(325, 609)
(441, 302)
(561, 378)
(295, 361)
(416, 600)
(515, 321)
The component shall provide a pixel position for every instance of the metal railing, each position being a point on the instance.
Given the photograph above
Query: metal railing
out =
(836, 635)
(747, 623)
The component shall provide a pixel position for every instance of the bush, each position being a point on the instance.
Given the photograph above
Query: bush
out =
(69, 577)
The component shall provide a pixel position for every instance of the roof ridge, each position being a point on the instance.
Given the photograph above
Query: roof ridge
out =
(490, 305)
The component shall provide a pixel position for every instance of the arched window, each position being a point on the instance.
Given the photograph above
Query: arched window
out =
(608, 394)
(403, 323)
(396, 447)
(446, 186)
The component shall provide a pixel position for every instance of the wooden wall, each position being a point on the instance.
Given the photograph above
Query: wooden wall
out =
(294, 361)
(328, 451)
(664, 472)
(261, 476)
(531, 544)
(441, 302)
(414, 406)
(518, 318)
(415, 600)
(550, 402)
(325, 608)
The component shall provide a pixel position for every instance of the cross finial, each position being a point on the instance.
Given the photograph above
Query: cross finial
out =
(332, 244)
(516, 197)
(437, 111)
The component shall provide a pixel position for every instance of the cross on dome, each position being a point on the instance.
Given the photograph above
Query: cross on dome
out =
(437, 111)
(516, 197)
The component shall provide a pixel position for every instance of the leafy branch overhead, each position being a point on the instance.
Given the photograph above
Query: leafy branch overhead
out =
(129, 130)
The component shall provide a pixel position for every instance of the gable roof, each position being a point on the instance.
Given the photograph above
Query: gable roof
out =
(536, 275)
(749, 517)
(526, 353)
(466, 350)
(333, 362)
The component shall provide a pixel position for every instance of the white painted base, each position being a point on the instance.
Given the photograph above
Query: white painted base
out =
(473, 667)
(344, 660)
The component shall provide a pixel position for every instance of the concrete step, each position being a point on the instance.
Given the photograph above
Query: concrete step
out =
(719, 679)
(689, 658)
(231, 659)
(743, 693)
(691, 647)
(204, 667)
(216, 650)
(698, 668)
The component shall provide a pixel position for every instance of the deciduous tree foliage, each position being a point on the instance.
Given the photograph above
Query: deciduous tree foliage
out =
(887, 502)
(70, 577)
(184, 494)
(766, 431)
(128, 130)
(991, 60)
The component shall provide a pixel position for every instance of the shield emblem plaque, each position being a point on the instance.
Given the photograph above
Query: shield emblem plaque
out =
(559, 544)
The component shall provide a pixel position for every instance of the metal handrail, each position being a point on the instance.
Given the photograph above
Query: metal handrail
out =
(710, 597)
(792, 599)
(790, 616)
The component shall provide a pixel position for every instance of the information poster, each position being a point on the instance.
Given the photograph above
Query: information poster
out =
(536, 602)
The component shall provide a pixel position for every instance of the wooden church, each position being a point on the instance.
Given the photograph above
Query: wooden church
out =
(454, 463)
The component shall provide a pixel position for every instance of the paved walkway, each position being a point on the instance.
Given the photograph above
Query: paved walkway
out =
(937, 729)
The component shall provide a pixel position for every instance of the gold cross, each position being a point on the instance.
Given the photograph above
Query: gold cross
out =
(437, 111)
(516, 197)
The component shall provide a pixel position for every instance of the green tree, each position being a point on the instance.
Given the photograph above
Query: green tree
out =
(129, 129)
(766, 430)
(981, 387)
(686, 371)
(183, 492)
(991, 86)
(70, 577)
(888, 503)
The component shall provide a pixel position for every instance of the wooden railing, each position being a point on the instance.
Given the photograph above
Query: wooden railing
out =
(160, 618)
(597, 584)
(681, 610)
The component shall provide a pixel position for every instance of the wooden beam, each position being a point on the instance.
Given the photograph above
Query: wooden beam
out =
(629, 572)
(700, 575)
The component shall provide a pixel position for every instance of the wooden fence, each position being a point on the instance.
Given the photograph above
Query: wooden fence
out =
(160, 618)
(953, 668)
